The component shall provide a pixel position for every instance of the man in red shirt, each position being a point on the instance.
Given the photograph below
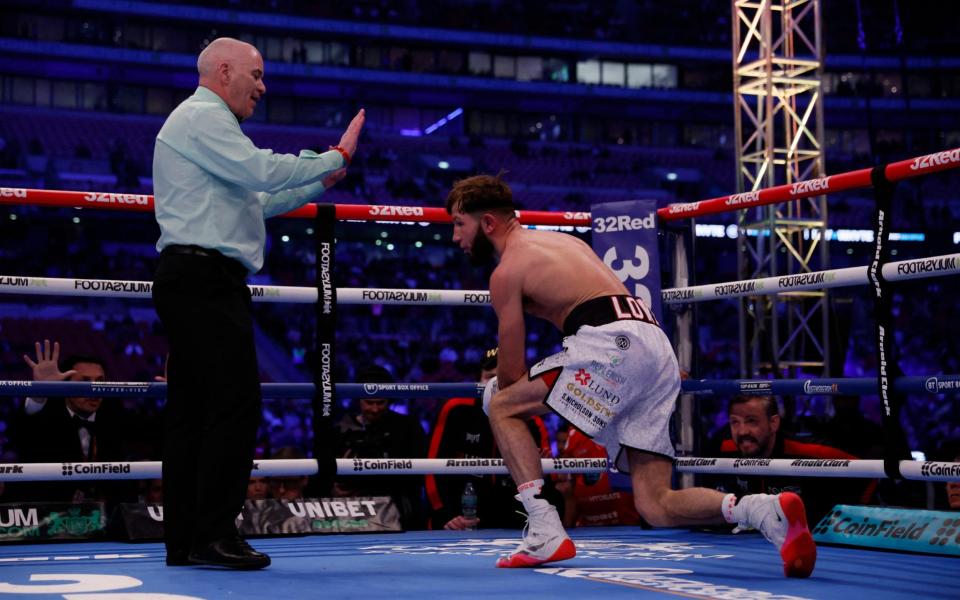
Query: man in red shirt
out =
(590, 499)
(755, 433)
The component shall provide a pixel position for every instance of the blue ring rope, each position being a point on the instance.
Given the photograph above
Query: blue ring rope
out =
(855, 386)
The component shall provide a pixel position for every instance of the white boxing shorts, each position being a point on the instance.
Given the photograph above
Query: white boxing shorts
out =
(617, 379)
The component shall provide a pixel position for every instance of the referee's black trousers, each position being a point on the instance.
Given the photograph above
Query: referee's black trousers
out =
(213, 404)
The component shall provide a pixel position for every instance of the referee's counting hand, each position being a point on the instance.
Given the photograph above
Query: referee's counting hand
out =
(351, 136)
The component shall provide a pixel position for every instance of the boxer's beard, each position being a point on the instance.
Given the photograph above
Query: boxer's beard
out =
(481, 251)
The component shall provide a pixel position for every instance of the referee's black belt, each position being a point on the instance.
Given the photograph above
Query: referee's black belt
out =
(235, 267)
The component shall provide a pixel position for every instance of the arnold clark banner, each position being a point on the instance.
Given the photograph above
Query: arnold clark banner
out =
(281, 517)
(625, 238)
(44, 521)
(929, 531)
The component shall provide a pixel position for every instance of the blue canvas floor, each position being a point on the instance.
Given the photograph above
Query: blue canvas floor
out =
(619, 562)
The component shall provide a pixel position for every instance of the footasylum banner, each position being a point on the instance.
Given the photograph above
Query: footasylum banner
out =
(910, 530)
(44, 521)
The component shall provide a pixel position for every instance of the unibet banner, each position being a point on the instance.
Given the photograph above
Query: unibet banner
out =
(625, 238)
(44, 521)
(281, 517)
(928, 531)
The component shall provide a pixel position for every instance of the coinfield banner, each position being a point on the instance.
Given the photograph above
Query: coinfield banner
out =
(42, 521)
(279, 517)
(930, 531)
(625, 237)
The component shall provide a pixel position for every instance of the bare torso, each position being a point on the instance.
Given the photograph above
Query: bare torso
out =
(557, 272)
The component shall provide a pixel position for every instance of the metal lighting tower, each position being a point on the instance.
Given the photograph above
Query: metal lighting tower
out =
(777, 68)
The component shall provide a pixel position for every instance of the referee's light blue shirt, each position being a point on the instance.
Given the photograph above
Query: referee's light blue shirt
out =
(213, 188)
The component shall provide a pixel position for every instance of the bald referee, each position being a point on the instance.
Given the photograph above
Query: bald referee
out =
(213, 189)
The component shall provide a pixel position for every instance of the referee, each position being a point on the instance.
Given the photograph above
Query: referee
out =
(213, 189)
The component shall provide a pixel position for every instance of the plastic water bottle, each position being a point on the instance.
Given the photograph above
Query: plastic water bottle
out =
(468, 503)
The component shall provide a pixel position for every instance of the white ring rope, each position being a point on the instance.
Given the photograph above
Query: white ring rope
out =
(817, 467)
(297, 466)
(933, 266)
(799, 467)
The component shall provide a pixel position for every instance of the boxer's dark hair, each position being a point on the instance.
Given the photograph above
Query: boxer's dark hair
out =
(769, 403)
(481, 193)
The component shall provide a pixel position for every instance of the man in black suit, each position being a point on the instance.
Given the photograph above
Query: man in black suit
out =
(70, 430)
(379, 432)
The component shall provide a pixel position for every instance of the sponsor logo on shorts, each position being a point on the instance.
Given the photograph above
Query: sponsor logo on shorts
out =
(596, 411)
(582, 377)
(11, 469)
(603, 393)
(622, 342)
(576, 216)
(608, 373)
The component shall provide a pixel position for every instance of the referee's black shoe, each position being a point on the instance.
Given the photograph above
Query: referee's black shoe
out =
(231, 553)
